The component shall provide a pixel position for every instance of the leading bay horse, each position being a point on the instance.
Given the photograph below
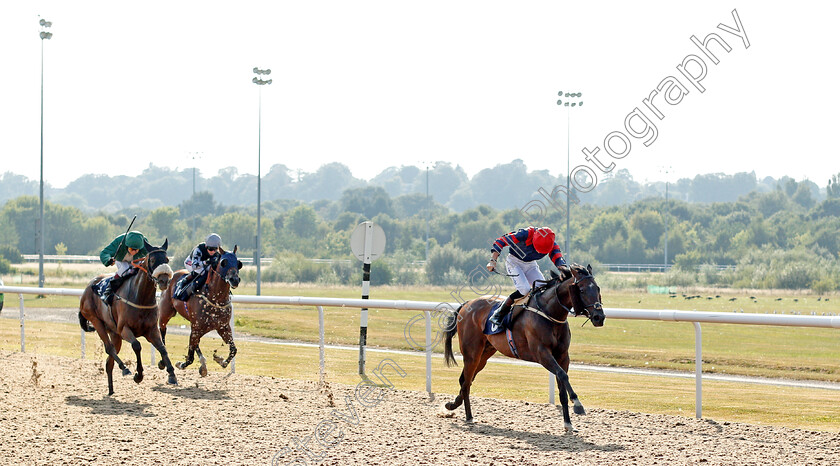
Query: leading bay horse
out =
(540, 333)
(207, 309)
(134, 313)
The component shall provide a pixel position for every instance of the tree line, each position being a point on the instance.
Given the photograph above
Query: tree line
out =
(505, 186)
(784, 237)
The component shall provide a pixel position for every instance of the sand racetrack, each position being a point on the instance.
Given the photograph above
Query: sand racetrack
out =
(54, 411)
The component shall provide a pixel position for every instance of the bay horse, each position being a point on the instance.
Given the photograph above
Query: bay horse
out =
(539, 330)
(134, 313)
(207, 309)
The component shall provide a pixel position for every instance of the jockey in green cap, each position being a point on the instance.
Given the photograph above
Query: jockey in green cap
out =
(121, 253)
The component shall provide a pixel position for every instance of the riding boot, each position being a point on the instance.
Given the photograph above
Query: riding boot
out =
(186, 288)
(498, 316)
(113, 286)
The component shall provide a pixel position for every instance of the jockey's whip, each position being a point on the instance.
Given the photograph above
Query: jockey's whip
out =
(126, 234)
(505, 274)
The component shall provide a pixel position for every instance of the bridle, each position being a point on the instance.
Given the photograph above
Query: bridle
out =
(538, 309)
(594, 306)
(139, 263)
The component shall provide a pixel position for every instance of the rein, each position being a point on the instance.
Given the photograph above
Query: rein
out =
(538, 310)
(206, 298)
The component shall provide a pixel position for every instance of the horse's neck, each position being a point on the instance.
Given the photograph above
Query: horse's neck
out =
(141, 287)
(556, 300)
(218, 288)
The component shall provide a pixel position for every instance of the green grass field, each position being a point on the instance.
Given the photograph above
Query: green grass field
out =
(781, 352)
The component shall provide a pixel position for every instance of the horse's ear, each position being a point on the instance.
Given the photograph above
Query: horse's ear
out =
(235, 247)
(589, 268)
(165, 244)
(147, 246)
(572, 269)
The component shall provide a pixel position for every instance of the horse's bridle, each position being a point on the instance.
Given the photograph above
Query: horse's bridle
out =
(139, 264)
(596, 305)
(207, 298)
(539, 310)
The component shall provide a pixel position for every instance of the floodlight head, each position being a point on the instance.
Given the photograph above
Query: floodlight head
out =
(46, 35)
(45, 23)
(566, 104)
(573, 104)
(567, 94)
(560, 93)
(580, 104)
(255, 80)
(559, 102)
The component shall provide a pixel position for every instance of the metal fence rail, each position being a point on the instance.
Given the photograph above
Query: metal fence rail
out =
(427, 307)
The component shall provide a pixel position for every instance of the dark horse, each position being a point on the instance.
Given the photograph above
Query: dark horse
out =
(207, 309)
(134, 313)
(541, 333)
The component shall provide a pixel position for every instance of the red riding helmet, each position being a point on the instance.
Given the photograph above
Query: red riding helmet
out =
(543, 240)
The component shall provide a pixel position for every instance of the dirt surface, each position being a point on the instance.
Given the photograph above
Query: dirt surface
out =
(54, 411)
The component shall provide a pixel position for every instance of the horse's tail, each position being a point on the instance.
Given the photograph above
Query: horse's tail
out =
(451, 329)
(86, 326)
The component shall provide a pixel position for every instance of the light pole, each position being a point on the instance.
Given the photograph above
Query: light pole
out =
(194, 156)
(259, 82)
(568, 105)
(44, 35)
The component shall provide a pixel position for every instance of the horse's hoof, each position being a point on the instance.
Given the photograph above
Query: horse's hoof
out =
(470, 420)
(569, 427)
(172, 380)
(202, 371)
(219, 361)
(579, 408)
(179, 365)
(449, 406)
(126, 371)
(161, 365)
(138, 377)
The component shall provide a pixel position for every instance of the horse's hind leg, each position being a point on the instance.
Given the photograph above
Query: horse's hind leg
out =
(472, 364)
(109, 365)
(227, 336)
(111, 349)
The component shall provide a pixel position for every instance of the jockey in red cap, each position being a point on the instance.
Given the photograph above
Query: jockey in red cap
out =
(527, 246)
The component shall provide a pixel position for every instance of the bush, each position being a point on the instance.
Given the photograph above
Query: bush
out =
(11, 254)
(5, 265)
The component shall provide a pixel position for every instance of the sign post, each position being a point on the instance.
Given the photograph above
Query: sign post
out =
(367, 243)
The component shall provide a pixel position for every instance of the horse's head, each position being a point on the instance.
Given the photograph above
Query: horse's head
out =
(157, 264)
(228, 267)
(586, 295)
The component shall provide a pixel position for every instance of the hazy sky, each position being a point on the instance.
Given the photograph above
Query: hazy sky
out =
(386, 83)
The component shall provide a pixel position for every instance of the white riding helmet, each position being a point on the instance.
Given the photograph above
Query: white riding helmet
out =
(213, 241)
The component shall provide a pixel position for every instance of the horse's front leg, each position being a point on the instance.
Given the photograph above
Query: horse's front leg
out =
(195, 337)
(128, 336)
(563, 360)
(227, 336)
(202, 369)
(157, 341)
(546, 359)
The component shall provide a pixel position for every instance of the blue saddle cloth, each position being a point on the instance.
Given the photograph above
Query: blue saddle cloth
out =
(100, 287)
(488, 327)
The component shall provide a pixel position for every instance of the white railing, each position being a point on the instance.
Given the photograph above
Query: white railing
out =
(695, 317)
